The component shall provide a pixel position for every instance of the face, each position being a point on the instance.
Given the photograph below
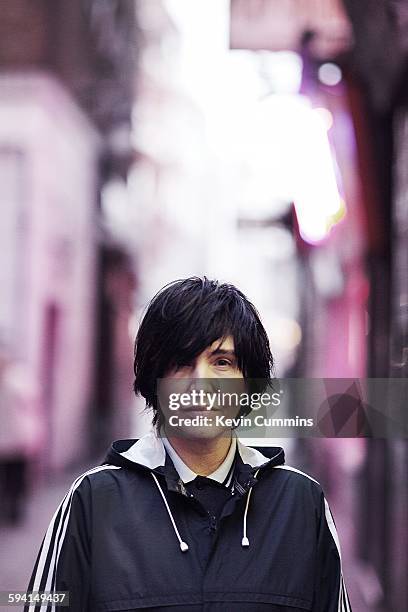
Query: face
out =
(196, 412)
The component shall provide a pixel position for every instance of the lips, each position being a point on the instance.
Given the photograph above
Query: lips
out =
(200, 409)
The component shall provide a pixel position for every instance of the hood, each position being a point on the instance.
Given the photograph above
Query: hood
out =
(149, 453)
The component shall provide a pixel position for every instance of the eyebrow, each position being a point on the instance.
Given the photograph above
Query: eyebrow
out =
(221, 351)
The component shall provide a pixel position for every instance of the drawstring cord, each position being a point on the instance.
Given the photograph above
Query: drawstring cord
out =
(245, 540)
(184, 545)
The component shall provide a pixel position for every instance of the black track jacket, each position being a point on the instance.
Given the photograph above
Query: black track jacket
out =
(128, 536)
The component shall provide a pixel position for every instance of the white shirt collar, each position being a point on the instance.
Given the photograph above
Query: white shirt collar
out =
(187, 475)
(150, 452)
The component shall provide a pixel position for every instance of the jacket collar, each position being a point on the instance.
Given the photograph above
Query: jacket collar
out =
(149, 453)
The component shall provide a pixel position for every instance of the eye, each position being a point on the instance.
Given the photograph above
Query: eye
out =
(222, 362)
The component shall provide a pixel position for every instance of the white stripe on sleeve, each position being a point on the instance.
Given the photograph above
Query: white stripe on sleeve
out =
(54, 541)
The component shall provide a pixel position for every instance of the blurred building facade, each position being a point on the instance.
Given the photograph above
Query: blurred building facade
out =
(382, 116)
(49, 238)
(66, 93)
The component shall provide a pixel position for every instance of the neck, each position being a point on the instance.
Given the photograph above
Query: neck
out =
(203, 456)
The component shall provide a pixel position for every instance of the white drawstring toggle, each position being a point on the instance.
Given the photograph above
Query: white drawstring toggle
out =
(245, 541)
(183, 545)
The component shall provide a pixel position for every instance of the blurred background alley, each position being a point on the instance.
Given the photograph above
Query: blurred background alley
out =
(260, 142)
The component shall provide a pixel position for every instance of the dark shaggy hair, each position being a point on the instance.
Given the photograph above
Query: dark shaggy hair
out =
(183, 319)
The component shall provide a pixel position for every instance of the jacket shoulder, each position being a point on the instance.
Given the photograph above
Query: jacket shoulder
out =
(94, 478)
(300, 480)
(297, 474)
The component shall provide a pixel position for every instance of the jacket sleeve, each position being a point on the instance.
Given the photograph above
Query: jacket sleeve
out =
(330, 590)
(63, 561)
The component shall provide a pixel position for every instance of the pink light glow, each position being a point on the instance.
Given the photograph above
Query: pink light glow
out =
(318, 203)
